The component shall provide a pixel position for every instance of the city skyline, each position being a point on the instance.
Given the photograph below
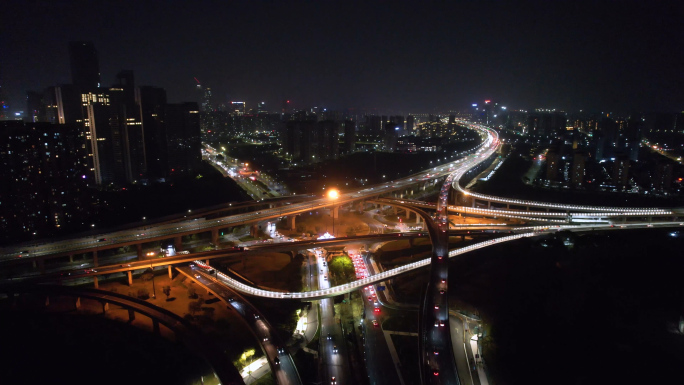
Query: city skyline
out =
(406, 58)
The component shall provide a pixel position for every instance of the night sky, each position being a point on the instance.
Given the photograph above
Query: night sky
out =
(395, 56)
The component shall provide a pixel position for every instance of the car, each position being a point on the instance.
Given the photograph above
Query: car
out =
(265, 339)
(126, 265)
(102, 240)
(370, 298)
(435, 372)
(436, 307)
(436, 324)
(436, 352)
(276, 361)
(325, 277)
(375, 323)
(441, 323)
(442, 291)
(281, 349)
(197, 275)
(329, 336)
(231, 299)
(375, 303)
(256, 316)
(333, 381)
(377, 310)
(334, 349)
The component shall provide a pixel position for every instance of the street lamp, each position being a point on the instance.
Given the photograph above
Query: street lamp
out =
(333, 194)
(154, 290)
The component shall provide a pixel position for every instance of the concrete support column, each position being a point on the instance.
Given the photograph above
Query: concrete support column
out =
(508, 206)
(253, 229)
(77, 304)
(96, 283)
(336, 212)
(214, 236)
(105, 307)
(71, 258)
(271, 205)
(129, 273)
(418, 218)
(178, 243)
(34, 264)
(489, 205)
(473, 202)
(95, 260)
(408, 214)
(394, 209)
(139, 249)
(131, 315)
(170, 272)
(424, 226)
(291, 222)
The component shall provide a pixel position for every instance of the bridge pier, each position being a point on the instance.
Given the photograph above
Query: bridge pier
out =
(96, 282)
(291, 222)
(253, 230)
(77, 303)
(95, 261)
(336, 212)
(105, 307)
(131, 315)
(139, 250)
(71, 258)
(170, 272)
(130, 277)
(214, 236)
(178, 243)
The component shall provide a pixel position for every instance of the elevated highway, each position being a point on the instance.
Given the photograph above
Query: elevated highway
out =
(187, 333)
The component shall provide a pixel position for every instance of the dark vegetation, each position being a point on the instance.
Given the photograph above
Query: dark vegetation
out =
(74, 349)
(601, 311)
(186, 193)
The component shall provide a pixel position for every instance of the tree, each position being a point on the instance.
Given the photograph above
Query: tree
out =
(192, 292)
(143, 293)
(208, 311)
(147, 275)
(195, 306)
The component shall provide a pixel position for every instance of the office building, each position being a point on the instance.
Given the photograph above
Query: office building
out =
(183, 137)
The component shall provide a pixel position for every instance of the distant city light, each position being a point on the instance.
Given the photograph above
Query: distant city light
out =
(474, 104)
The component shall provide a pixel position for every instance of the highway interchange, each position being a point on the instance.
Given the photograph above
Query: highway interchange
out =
(437, 344)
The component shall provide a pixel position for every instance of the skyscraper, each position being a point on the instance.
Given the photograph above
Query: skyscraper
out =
(85, 66)
(152, 102)
(183, 137)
